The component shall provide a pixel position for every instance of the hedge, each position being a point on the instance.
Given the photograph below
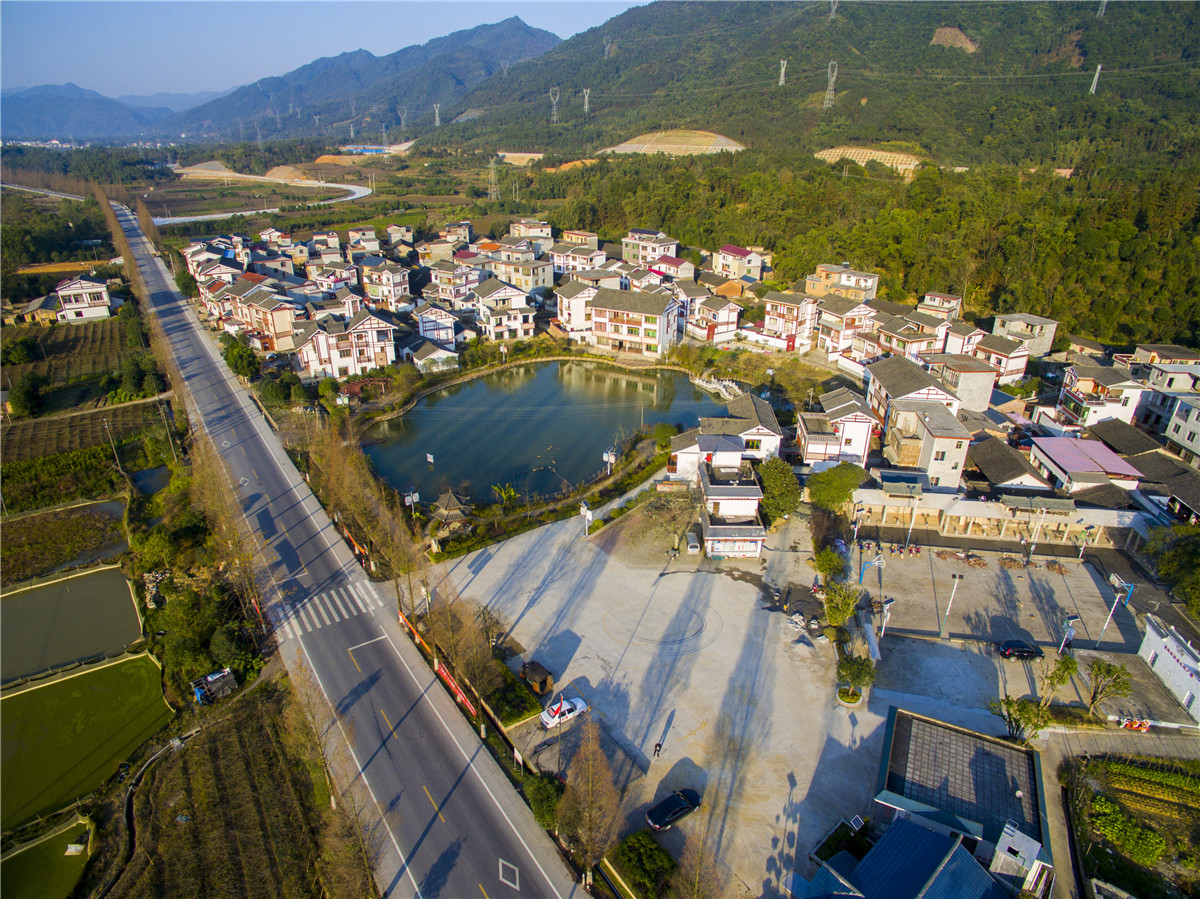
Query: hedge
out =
(513, 701)
(1140, 845)
(643, 864)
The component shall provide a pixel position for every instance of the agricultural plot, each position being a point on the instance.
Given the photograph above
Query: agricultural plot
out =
(678, 143)
(1139, 821)
(37, 545)
(242, 812)
(71, 353)
(42, 869)
(38, 437)
(61, 740)
(194, 196)
(73, 618)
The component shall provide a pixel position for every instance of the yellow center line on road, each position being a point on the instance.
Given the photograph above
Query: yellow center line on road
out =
(355, 661)
(391, 730)
(482, 890)
(435, 807)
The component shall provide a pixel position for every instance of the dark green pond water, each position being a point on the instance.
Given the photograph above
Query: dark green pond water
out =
(542, 428)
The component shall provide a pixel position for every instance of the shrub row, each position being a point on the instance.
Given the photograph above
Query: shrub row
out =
(48, 480)
(1176, 779)
(1140, 845)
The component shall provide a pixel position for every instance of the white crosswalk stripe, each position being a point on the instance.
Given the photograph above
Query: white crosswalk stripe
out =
(327, 601)
(303, 618)
(321, 609)
(354, 596)
(314, 607)
(337, 600)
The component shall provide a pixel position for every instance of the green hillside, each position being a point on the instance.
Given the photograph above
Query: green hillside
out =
(1022, 95)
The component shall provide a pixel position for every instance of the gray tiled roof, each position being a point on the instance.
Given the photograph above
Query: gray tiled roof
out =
(999, 462)
(634, 301)
(901, 377)
(843, 402)
(839, 305)
(1122, 438)
(997, 344)
(1108, 376)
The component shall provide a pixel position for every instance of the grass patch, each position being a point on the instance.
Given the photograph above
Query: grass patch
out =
(513, 701)
(644, 865)
(1074, 716)
(844, 837)
(39, 544)
(65, 739)
(42, 869)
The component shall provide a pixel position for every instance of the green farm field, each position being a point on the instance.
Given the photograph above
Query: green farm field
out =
(43, 870)
(63, 740)
(34, 438)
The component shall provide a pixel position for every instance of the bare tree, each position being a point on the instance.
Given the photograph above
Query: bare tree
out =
(590, 804)
(698, 875)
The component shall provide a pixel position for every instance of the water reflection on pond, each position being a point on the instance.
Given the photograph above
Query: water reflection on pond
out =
(540, 427)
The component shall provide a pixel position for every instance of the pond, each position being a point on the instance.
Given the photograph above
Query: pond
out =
(541, 428)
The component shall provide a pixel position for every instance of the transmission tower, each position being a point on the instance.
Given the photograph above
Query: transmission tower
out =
(586, 92)
(782, 69)
(437, 115)
(1096, 79)
(258, 133)
(829, 88)
(1100, 11)
(607, 46)
(351, 131)
(242, 129)
(317, 120)
(554, 105)
(504, 67)
(353, 108)
(493, 184)
(402, 111)
(832, 9)
(515, 195)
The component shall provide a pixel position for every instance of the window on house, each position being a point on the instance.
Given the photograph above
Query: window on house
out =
(934, 481)
(1175, 430)
(753, 444)
(939, 456)
(1125, 401)
(958, 445)
(954, 467)
(1191, 436)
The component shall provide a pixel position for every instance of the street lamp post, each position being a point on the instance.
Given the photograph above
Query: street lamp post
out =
(913, 520)
(1068, 632)
(887, 614)
(586, 514)
(1036, 531)
(1118, 585)
(943, 632)
(411, 498)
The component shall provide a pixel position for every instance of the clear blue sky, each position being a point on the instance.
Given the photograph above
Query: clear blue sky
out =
(145, 47)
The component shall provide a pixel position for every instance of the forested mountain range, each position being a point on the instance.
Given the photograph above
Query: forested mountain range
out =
(69, 111)
(1006, 82)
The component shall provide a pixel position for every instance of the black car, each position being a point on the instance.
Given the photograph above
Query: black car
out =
(671, 809)
(1019, 649)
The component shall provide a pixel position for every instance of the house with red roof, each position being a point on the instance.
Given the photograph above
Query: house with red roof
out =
(737, 262)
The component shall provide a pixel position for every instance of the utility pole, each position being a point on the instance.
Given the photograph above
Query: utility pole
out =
(942, 633)
(586, 92)
(782, 69)
(402, 111)
(832, 9)
(167, 428)
(913, 520)
(607, 46)
(493, 184)
(829, 95)
(504, 67)
(113, 444)
(437, 115)
(1100, 11)
(1096, 79)
(554, 105)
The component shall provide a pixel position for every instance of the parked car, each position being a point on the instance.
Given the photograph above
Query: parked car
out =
(693, 543)
(671, 809)
(1019, 649)
(563, 711)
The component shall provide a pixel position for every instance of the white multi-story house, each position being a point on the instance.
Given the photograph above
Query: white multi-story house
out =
(333, 348)
(1183, 430)
(840, 319)
(1094, 393)
(529, 276)
(737, 262)
(331, 278)
(1036, 332)
(457, 231)
(567, 257)
(792, 316)
(641, 246)
(1008, 356)
(941, 305)
(843, 281)
(438, 250)
(1175, 661)
(386, 285)
(634, 322)
(587, 238)
(840, 433)
(962, 337)
(83, 300)
(898, 378)
(436, 323)
(452, 282)
(714, 319)
(573, 315)
(502, 311)
(1168, 383)
(674, 268)
(928, 437)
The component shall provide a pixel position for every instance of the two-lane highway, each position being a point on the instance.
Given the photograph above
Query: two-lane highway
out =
(445, 820)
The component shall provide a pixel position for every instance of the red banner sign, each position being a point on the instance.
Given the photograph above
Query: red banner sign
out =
(455, 688)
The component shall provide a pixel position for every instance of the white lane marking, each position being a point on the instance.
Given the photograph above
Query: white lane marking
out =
(313, 604)
(337, 599)
(366, 643)
(302, 614)
(357, 601)
(515, 883)
(375, 590)
(327, 600)
(369, 595)
(467, 758)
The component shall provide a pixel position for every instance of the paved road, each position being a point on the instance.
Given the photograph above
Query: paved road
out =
(356, 192)
(448, 823)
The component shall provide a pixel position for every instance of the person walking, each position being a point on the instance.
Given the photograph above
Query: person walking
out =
(657, 749)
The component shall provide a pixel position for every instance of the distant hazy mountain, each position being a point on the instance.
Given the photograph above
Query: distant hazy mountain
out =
(330, 95)
(173, 102)
(67, 110)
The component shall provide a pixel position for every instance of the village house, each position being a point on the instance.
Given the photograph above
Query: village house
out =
(451, 282)
(737, 262)
(528, 276)
(573, 314)
(1144, 355)
(439, 250)
(674, 268)
(843, 281)
(841, 432)
(434, 357)
(586, 238)
(1008, 356)
(1004, 467)
(1183, 431)
(644, 279)
(503, 315)
(1167, 383)
(634, 322)
(331, 278)
(971, 380)
(400, 234)
(340, 349)
(538, 233)
(941, 305)
(962, 338)
(714, 320)
(436, 323)
(457, 231)
(791, 316)
(641, 246)
(897, 378)
(840, 319)
(568, 257)
(690, 295)
(926, 436)
(387, 286)
(1074, 465)
(83, 300)
(1093, 393)
(1036, 332)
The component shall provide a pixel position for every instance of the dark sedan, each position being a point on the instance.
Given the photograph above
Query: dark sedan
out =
(671, 809)
(1019, 649)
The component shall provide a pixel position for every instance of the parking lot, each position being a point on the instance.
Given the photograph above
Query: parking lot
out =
(684, 651)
